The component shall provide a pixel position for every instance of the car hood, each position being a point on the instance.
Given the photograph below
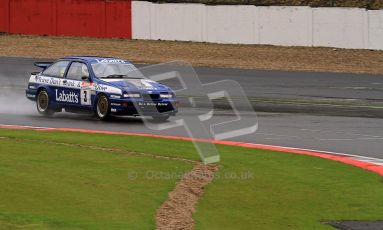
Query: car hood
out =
(136, 84)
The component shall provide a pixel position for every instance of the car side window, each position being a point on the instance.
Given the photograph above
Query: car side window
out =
(77, 70)
(57, 69)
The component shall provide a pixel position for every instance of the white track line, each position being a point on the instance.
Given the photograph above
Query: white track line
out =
(363, 158)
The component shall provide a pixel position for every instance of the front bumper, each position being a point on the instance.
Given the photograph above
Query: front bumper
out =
(144, 108)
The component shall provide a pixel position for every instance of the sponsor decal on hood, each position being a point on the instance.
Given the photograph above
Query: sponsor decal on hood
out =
(135, 83)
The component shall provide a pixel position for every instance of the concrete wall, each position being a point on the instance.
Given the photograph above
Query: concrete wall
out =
(375, 29)
(286, 26)
(141, 20)
(340, 27)
(183, 22)
(186, 21)
(225, 26)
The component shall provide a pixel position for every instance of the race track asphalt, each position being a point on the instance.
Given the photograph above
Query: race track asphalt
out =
(344, 134)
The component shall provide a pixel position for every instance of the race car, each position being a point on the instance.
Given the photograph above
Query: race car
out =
(105, 86)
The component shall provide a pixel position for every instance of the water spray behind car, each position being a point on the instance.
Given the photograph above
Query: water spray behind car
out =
(12, 99)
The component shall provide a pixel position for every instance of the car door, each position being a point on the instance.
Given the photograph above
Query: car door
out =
(78, 85)
(53, 78)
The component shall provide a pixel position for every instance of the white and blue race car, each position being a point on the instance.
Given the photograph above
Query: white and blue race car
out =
(102, 85)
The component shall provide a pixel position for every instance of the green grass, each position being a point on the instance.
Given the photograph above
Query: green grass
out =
(289, 192)
(45, 186)
(63, 187)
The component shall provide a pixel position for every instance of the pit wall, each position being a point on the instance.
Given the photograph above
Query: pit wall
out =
(286, 26)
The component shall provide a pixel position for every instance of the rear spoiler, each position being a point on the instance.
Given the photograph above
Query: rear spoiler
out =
(43, 65)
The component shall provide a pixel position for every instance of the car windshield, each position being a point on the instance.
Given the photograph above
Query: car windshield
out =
(116, 70)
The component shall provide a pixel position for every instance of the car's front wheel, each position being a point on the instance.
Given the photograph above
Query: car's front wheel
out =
(42, 103)
(102, 107)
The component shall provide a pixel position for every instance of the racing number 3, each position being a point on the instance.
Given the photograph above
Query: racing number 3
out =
(85, 97)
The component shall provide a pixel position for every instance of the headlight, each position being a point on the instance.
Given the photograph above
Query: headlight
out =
(166, 95)
(115, 96)
(132, 95)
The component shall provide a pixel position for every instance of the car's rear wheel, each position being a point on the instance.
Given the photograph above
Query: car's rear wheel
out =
(42, 103)
(102, 107)
(160, 118)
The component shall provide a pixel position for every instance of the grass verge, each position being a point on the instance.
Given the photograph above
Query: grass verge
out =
(49, 186)
(58, 186)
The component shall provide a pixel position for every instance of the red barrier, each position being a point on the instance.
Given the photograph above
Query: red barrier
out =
(31, 17)
(81, 18)
(118, 19)
(4, 16)
(93, 18)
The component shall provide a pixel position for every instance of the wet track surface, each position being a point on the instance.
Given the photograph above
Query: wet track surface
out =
(351, 135)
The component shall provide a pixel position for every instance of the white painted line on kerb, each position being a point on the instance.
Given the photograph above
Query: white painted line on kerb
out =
(364, 158)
